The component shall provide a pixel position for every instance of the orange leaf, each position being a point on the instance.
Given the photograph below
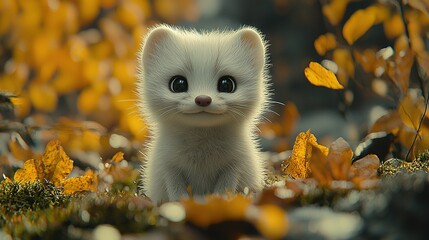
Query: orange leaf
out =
(299, 162)
(390, 123)
(394, 27)
(270, 220)
(399, 69)
(334, 11)
(358, 24)
(55, 163)
(216, 209)
(319, 167)
(365, 171)
(339, 159)
(28, 173)
(119, 156)
(346, 68)
(325, 43)
(411, 108)
(43, 97)
(87, 182)
(88, 100)
(320, 76)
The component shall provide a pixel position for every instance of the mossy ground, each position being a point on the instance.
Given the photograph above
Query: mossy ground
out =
(41, 210)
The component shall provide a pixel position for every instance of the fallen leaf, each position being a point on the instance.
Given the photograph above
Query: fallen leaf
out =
(28, 173)
(270, 220)
(55, 163)
(298, 166)
(215, 209)
(320, 76)
(87, 182)
(365, 172)
(339, 159)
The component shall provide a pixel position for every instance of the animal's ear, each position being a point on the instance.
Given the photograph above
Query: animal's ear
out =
(255, 43)
(154, 41)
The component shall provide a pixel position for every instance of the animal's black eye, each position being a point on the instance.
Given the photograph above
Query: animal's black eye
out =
(226, 84)
(178, 84)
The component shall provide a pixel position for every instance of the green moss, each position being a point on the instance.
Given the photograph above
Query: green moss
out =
(396, 166)
(17, 198)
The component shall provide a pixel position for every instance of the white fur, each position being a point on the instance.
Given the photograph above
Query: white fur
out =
(211, 149)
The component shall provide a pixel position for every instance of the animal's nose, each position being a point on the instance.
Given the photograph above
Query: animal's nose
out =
(203, 100)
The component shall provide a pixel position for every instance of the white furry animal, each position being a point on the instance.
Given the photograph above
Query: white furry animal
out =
(201, 95)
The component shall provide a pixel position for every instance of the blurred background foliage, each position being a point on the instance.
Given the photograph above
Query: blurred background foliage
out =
(71, 65)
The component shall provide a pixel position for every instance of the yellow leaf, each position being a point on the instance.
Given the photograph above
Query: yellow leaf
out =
(88, 100)
(271, 221)
(334, 11)
(88, 10)
(320, 76)
(87, 182)
(216, 209)
(380, 11)
(27, 173)
(56, 164)
(298, 166)
(325, 43)
(411, 109)
(358, 24)
(346, 68)
(119, 156)
(394, 27)
(43, 97)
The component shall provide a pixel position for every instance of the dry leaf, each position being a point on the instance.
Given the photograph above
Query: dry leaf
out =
(87, 182)
(365, 173)
(216, 209)
(339, 159)
(399, 69)
(28, 173)
(320, 76)
(55, 164)
(410, 109)
(319, 167)
(390, 123)
(298, 166)
(270, 220)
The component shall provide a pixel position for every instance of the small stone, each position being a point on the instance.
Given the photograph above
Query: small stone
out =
(106, 232)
